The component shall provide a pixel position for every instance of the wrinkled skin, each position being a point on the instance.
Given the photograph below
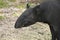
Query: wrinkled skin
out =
(47, 12)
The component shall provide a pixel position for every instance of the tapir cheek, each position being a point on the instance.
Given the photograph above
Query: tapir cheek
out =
(32, 17)
(26, 22)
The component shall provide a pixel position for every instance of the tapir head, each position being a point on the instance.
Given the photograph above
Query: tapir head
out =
(27, 18)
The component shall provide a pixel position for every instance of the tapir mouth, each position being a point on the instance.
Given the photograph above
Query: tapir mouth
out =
(24, 24)
(20, 26)
(27, 24)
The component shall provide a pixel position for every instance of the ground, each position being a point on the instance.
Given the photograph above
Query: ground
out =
(38, 31)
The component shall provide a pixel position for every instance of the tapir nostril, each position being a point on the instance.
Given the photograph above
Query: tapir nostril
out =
(16, 26)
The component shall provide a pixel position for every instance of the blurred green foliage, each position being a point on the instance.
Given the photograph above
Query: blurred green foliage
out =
(12, 0)
(2, 17)
(15, 14)
(32, 4)
(22, 5)
(3, 4)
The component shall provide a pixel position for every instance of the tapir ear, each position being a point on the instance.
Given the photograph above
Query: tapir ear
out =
(27, 6)
(36, 9)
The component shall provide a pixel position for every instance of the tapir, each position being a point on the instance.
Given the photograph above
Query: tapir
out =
(46, 12)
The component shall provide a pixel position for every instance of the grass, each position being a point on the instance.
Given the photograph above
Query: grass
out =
(2, 17)
(22, 5)
(15, 14)
(3, 4)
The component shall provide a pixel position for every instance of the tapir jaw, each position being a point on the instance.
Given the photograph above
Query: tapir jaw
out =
(21, 26)
(25, 24)
(18, 25)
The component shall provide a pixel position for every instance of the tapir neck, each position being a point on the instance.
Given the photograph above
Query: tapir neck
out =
(42, 19)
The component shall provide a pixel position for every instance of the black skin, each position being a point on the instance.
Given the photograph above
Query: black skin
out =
(47, 12)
